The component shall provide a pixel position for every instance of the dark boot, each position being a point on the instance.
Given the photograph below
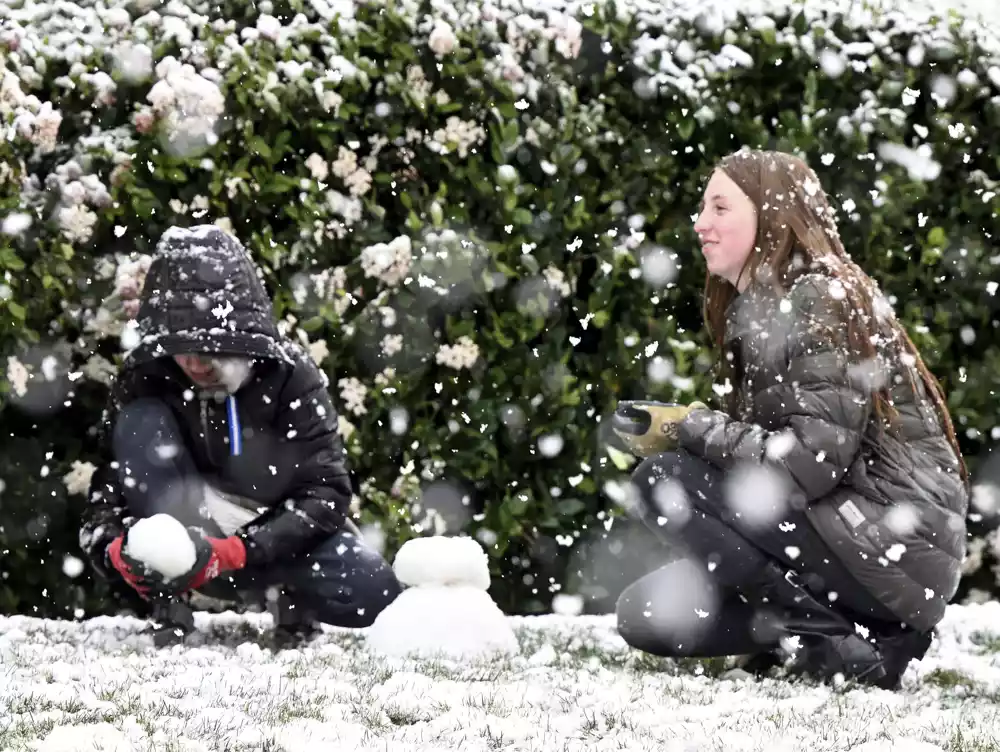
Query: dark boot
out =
(173, 620)
(760, 664)
(898, 650)
(292, 624)
(830, 644)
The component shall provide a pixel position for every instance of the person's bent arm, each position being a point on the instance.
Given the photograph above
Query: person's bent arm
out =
(815, 415)
(319, 491)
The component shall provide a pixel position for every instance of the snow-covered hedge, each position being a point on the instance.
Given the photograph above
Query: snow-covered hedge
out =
(477, 215)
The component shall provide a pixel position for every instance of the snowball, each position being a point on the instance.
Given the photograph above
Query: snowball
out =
(457, 622)
(163, 544)
(443, 560)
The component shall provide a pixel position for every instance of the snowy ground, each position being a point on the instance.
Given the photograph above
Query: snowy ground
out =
(100, 685)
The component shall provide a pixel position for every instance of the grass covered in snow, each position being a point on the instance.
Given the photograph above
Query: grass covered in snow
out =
(100, 685)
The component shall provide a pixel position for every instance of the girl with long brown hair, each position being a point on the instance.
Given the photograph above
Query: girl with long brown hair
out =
(826, 501)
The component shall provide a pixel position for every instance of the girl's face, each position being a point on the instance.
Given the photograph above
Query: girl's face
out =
(727, 228)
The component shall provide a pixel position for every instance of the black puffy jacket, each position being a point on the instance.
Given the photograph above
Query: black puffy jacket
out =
(892, 507)
(203, 294)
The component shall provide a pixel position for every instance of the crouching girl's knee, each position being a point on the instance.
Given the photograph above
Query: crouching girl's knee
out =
(371, 596)
(632, 627)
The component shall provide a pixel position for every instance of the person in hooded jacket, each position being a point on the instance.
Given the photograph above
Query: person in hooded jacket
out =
(827, 501)
(218, 420)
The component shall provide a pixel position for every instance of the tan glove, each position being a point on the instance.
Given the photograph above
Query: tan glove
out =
(650, 428)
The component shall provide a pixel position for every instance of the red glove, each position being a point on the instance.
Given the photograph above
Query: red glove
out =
(214, 556)
(127, 568)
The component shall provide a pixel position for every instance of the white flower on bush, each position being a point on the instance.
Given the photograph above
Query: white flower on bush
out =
(347, 162)
(567, 33)
(329, 283)
(389, 262)
(359, 182)
(99, 369)
(329, 100)
(353, 393)
(442, 40)
(317, 167)
(348, 207)
(88, 189)
(134, 62)
(233, 186)
(11, 95)
(459, 134)
(463, 354)
(199, 206)
(130, 276)
(392, 344)
(104, 86)
(46, 128)
(556, 279)
(318, 351)
(269, 27)
(105, 324)
(344, 427)
(187, 103)
(77, 480)
(34, 120)
(17, 375)
(76, 223)
(385, 377)
(224, 223)
(357, 179)
(417, 85)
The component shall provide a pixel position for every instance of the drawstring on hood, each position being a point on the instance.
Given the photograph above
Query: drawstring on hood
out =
(235, 432)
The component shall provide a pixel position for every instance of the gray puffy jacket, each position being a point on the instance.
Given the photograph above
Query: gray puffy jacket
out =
(891, 507)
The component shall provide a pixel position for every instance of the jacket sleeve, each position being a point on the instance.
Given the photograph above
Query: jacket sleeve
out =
(318, 490)
(103, 516)
(812, 420)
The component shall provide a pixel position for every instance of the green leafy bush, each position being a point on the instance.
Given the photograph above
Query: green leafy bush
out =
(478, 218)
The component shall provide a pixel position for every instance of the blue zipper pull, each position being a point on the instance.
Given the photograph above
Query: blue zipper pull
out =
(235, 433)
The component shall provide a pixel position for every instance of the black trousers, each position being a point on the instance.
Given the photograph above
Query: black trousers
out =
(719, 542)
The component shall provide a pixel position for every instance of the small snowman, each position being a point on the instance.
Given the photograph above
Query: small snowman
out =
(445, 610)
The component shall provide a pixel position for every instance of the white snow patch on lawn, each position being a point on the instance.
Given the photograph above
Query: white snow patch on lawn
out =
(100, 685)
